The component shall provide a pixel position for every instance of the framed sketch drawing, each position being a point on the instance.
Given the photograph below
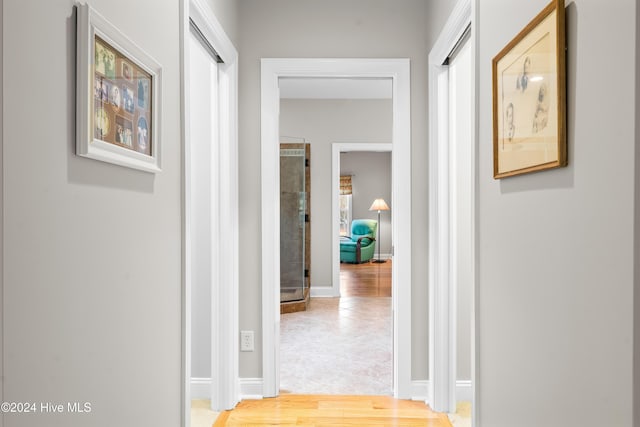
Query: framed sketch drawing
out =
(118, 96)
(529, 102)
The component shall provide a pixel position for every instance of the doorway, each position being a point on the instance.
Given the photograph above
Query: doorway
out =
(452, 213)
(209, 212)
(461, 217)
(331, 347)
(398, 71)
(365, 280)
(338, 150)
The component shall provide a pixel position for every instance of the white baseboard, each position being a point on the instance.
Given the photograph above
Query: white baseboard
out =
(201, 388)
(251, 388)
(464, 391)
(323, 292)
(421, 390)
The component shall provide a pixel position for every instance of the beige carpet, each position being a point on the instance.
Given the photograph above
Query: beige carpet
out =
(462, 417)
(201, 414)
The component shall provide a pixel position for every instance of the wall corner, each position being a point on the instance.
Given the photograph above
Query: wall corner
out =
(636, 245)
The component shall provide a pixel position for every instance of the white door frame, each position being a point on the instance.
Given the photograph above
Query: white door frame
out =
(224, 292)
(399, 71)
(441, 298)
(336, 149)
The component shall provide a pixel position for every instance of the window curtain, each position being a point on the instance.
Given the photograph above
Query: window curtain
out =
(345, 185)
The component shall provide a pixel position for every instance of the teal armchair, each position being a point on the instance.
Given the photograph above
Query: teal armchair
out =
(361, 245)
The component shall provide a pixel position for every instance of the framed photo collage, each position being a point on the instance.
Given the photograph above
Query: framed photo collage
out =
(122, 100)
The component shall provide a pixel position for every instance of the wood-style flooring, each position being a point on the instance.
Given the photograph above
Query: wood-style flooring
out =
(365, 280)
(321, 410)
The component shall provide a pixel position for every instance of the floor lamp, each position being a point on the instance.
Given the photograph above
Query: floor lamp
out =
(379, 205)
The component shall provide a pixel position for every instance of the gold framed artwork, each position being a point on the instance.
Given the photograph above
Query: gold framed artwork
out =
(529, 100)
(118, 96)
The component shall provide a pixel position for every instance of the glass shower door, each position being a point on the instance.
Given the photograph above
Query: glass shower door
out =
(293, 201)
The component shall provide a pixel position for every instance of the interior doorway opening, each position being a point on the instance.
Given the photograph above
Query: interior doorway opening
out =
(453, 213)
(273, 70)
(209, 214)
(461, 215)
(365, 186)
(323, 350)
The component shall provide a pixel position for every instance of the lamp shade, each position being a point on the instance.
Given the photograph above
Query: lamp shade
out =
(379, 205)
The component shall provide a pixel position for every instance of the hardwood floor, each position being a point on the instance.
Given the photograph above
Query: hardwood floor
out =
(356, 280)
(365, 280)
(326, 410)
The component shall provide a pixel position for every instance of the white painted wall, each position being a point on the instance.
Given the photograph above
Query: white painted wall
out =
(332, 28)
(556, 254)
(321, 123)
(371, 180)
(91, 250)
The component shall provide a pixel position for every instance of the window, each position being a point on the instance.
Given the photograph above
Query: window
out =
(345, 205)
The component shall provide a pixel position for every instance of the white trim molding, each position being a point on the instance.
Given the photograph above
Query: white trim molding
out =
(421, 391)
(324, 292)
(398, 70)
(251, 388)
(442, 350)
(464, 391)
(201, 388)
(224, 390)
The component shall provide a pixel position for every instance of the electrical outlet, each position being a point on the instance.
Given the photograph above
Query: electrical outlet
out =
(246, 341)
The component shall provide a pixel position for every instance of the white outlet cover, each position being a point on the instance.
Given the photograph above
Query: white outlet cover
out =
(246, 341)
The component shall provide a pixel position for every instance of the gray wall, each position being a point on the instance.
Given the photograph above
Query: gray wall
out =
(321, 123)
(371, 180)
(556, 253)
(226, 11)
(636, 310)
(91, 250)
(332, 28)
(1, 214)
(438, 13)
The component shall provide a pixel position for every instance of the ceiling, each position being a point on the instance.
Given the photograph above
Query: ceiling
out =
(335, 88)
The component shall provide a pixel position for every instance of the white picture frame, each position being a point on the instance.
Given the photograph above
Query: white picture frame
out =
(118, 96)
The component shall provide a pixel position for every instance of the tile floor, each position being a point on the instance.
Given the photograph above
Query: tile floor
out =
(338, 346)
